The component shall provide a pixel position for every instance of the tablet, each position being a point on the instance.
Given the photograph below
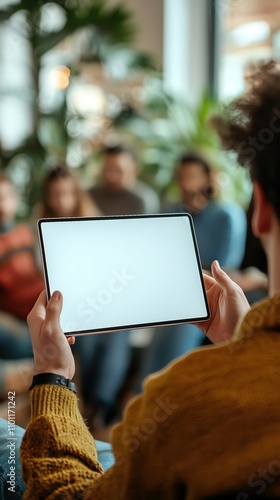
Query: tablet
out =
(119, 273)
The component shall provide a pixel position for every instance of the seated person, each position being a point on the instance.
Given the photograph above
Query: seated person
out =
(120, 192)
(64, 197)
(220, 227)
(220, 231)
(208, 424)
(103, 358)
(20, 279)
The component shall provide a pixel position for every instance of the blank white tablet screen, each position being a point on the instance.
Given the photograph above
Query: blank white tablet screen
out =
(119, 273)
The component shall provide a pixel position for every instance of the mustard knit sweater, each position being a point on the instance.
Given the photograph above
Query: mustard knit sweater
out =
(207, 424)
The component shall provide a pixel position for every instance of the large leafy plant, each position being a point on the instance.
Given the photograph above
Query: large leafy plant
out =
(104, 34)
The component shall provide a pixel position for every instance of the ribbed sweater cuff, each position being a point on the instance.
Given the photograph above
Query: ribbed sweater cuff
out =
(52, 399)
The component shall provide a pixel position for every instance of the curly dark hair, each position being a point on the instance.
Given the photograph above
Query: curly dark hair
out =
(250, 126)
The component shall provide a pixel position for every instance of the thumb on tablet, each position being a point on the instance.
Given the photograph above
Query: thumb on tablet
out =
(53, 310)
(220, 276)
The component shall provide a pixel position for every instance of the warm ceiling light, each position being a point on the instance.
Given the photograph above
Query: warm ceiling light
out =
(59, 77)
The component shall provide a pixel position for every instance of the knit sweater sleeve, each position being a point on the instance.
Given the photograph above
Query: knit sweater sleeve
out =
(58, 453)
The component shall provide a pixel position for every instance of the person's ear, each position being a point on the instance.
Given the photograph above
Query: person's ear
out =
(263, 212)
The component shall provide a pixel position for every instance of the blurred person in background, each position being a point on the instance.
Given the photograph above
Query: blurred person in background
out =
(120, 192)
(64, 197)
(220, 226)
(105, 358)
(220, 231)
(21, 281)
(102, 359)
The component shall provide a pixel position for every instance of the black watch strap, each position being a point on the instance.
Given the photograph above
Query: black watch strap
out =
(53, 379)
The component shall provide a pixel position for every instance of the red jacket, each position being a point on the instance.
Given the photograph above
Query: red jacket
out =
(20, 279)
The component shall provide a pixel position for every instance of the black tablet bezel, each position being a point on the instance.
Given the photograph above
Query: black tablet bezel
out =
(121, 217)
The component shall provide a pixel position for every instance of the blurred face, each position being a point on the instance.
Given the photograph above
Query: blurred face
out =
(119, 171)
(8, 202)
(194, 183)
(62, 197)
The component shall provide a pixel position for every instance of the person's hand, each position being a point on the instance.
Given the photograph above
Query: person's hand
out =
(227, 304)
(51, 348)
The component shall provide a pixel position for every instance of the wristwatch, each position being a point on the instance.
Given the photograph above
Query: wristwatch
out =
(52, 379)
